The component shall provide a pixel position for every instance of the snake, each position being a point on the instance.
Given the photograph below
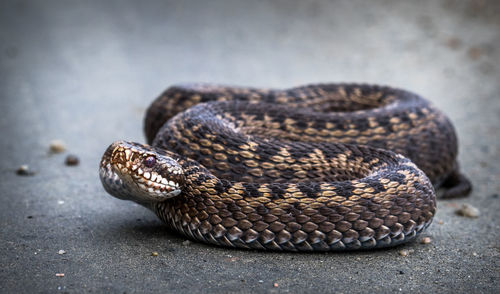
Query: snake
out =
(320, 167)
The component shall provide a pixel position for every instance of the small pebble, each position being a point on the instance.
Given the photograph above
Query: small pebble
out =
(474, 53)
(401, 272)
(57, 146)
(186, 243)
(61, 252)
(24, 170)
(154, 253)
(404, 252)
(453, 43)
(468, 210)
(261, 281)
(59, 275)
(425, 240)
(72, 160)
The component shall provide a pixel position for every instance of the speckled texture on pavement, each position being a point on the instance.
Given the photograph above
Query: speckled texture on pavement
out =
(84, 73)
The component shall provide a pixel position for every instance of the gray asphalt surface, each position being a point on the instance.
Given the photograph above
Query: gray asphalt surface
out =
(84, 72)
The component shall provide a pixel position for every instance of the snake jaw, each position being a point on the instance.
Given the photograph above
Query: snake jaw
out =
(141, 173)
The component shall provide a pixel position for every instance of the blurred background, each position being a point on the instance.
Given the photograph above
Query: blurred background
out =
(83, 72)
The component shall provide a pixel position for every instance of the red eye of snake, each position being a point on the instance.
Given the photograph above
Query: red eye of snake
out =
(149, 161)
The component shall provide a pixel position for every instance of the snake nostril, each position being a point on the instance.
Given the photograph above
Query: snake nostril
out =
(149, 161)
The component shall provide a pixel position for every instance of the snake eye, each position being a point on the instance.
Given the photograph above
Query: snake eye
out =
(149, 161)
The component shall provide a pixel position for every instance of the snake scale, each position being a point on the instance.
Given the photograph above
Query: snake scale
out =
(322, 167)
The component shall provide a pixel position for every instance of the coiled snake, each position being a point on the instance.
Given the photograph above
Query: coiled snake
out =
(302, 169)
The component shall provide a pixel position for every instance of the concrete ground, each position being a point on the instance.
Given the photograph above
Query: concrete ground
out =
(85, 72)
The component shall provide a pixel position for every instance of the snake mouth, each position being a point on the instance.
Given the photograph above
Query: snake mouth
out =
(137, 172)
(150, 181)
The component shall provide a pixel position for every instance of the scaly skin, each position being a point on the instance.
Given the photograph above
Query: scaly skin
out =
(298, 169)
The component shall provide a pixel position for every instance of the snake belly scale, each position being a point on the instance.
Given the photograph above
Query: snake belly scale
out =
(315, 168)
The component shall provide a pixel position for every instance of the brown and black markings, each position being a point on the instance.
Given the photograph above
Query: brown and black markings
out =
(308, 168)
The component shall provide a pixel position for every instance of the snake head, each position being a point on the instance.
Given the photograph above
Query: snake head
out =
(141, 173)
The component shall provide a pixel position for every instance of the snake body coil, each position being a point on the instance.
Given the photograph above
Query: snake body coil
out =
(320, 167)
